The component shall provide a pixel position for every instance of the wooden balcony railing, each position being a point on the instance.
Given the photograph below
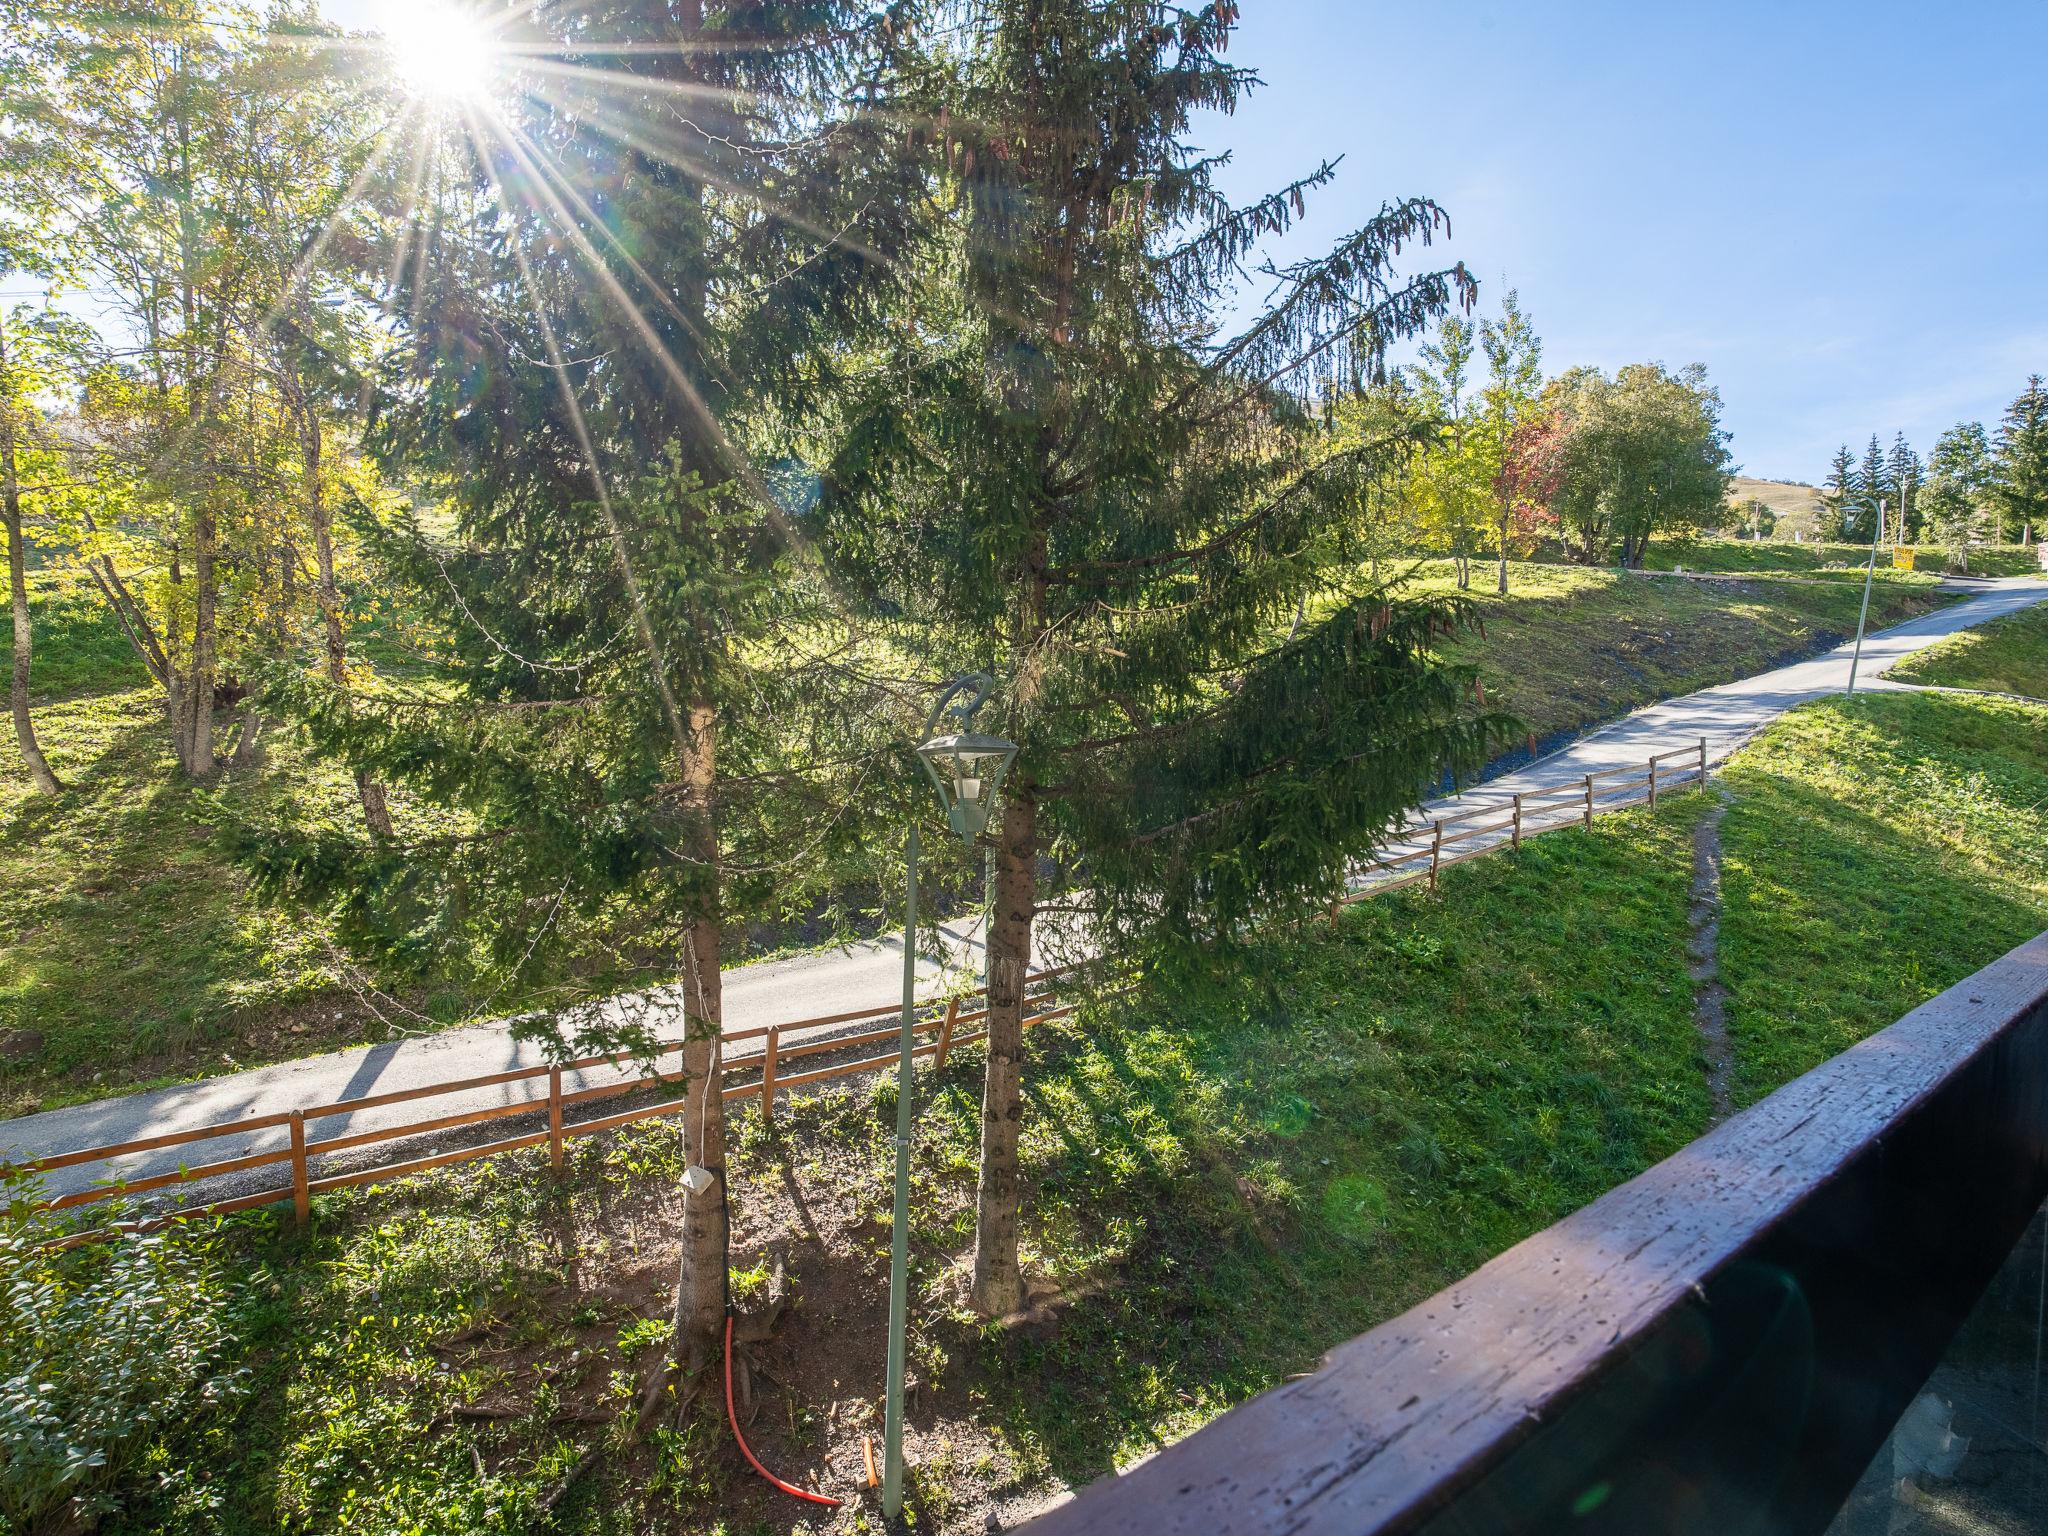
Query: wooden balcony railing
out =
(1714, 1348)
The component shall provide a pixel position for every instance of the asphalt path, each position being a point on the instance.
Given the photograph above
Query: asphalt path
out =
(864, 976)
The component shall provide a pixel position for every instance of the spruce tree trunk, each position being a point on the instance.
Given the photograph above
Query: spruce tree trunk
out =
(700, 1281)
(376, 810)
(998, 1279)
(17, 588)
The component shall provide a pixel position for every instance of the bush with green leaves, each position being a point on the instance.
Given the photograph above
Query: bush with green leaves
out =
(101, 1347)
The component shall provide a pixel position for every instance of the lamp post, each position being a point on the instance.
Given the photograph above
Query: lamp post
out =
(1869, 574)
(967, 769)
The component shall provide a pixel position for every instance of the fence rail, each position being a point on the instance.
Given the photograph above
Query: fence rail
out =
(763, 1072)
(1529, 813)
(760, 1073)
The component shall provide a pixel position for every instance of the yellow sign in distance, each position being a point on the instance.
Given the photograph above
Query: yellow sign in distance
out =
(1902, 558)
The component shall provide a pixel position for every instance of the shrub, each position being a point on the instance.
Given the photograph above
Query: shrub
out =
(101, 1347)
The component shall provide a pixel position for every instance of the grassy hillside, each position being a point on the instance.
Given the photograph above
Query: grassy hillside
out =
(2009, 656)
(1879, 850)
(129, 947)
(1795, 503)
(131, 951)
(1571, 646)
(1224, 1184)
(1834, 561)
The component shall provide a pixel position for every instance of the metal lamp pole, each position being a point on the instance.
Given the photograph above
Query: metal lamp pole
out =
(973, 770)
(1869, 574)
(899, 1233)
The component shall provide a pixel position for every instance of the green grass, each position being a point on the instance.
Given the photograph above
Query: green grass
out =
(130, 948)
(131, 952)
(2009, 655)
(1571, 646)
(1879, 850)
(78, 647)
(1224, 1183)
(1812, 558)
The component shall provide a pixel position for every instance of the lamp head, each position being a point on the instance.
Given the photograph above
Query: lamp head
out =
(968, 768)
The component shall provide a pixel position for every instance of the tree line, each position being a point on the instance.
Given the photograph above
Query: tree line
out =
(1975, 487)
(708, 394)
(1593, 464)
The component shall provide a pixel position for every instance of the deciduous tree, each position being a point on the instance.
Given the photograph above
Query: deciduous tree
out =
(1514, 380)
(1955, 502)
(1644, 454)
(19, 421)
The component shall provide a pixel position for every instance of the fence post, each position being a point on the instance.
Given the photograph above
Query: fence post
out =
(302, 1201)
(1436, 852)
(1653, 783)
(1518, 823)
(773, 1048)
(946, 1034)
(1589, 802)
(1703, 762)
(555, 1117)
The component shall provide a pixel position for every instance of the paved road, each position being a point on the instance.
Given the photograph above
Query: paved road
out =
(869, 975)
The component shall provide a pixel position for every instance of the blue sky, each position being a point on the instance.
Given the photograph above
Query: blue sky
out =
(1842, 210)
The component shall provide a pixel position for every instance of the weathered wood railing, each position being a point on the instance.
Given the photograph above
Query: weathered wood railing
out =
(1719, 1345)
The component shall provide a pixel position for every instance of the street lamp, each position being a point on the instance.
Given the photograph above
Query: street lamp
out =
(967, 769)
(1869, 574)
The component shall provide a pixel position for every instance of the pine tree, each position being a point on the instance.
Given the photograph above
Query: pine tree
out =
(1904, 474)
(1514, 381)
(1069, 473)
(1956, 499)
(2020, 468)
(674, 221)
(1840, 495)
(1874, 492)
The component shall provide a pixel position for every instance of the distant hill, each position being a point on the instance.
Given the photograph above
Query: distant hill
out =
(1796, 503)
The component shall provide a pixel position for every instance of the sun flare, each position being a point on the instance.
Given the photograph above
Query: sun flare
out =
(441, 52)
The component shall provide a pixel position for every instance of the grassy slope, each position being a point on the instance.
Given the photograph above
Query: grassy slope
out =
(130, 951)
(1788, 498)
(1570, 647)
(1221, 1189)
(1811, 558)
(2009, 656)
(1878, 851)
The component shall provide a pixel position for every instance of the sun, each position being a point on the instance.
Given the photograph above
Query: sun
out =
(442, 53)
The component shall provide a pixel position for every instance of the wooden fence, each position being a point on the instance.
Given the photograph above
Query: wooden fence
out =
(764, 1071)
(1529, 814)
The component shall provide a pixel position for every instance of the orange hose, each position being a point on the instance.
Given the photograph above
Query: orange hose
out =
(733, 1419)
